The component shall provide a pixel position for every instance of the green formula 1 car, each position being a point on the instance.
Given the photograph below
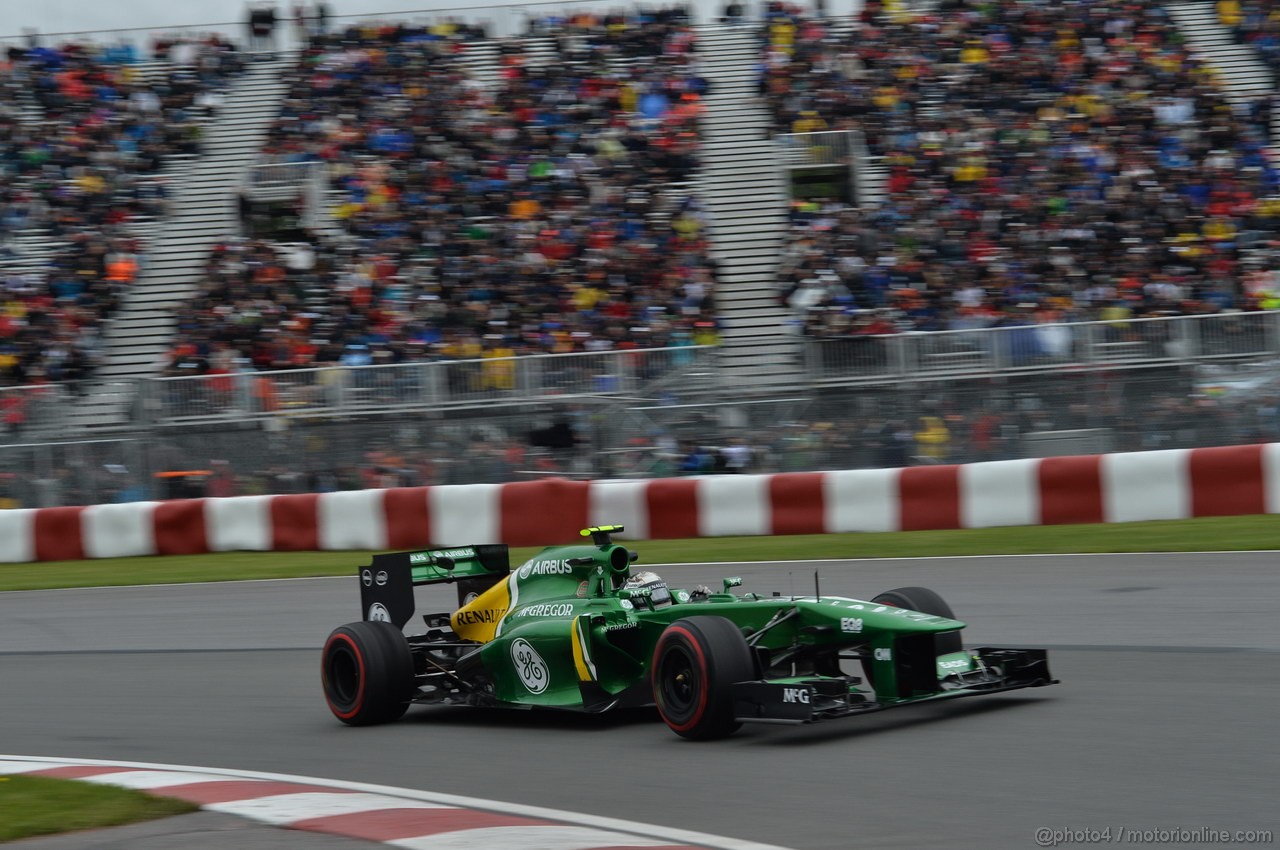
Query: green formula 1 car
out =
(576, 628)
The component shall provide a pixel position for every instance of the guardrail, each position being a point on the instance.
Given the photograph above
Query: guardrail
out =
(349, 390)
(33, 410)
(1124, 343)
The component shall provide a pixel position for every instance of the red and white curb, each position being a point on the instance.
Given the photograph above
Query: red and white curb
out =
(400, 817)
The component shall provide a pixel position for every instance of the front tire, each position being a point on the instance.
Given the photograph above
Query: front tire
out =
(367, 672)
(925, 601)
(695, 664)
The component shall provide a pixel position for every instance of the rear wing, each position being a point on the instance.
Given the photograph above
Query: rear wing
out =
(386, 585)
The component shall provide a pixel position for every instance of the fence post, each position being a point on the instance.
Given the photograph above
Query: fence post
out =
(342, 384)
(244, 391)
(48, 494)
(1191, 342)
(530, 377)
(999, 350)
(899, 361)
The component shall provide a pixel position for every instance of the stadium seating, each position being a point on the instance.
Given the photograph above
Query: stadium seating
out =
(1045, 163)
(530, 217)
(84, 137)
(1256, 23)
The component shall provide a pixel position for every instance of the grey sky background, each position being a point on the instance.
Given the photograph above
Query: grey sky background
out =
(50, 16)
(54, 16)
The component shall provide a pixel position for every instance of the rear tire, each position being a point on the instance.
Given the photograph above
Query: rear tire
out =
(695, 663)
(367, 672)
(925, 601)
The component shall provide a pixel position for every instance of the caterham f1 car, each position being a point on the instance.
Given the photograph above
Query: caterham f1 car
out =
(574, 628)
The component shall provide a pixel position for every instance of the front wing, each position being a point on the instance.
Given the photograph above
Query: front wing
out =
(824, 699)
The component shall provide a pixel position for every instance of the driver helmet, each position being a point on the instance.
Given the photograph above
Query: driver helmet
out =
(658, 592)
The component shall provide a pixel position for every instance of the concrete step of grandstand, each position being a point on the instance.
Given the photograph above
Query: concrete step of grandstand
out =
(758, 308)
(29, 250)
(539, 52)
(29, 109)
(202, 212)
(1243, 73)
(480, 58)
(746, 196)
(871, 182)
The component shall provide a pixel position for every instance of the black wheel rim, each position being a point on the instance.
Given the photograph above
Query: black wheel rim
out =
(343, 676)
(679, 682)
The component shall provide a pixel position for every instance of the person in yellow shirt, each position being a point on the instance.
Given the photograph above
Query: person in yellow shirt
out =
(628, 98)
(1219, 229)
(91, 183)
(933, 439)
(886, 97)
(971, 169)
(1229, 14)
(705, 333)
(1116, 314)
(974, 54)
(586, 297)
(499, 372)
(782, 35)
(808, 122)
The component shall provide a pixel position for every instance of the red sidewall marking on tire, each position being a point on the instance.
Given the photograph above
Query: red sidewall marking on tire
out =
(361, 685)
(702, 691)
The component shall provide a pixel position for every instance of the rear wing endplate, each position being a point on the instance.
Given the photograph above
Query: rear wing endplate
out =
(386, 585)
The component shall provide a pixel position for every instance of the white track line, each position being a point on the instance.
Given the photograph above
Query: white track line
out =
(576, 826)
(524, 838)
(145, 780)
(280, 809)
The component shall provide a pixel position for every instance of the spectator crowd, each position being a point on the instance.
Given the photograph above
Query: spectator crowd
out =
(540, 214)
(1044, 162)
(84, 138)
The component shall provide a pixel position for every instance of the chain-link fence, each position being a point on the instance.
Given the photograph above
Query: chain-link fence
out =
(76, 473)
(871, 359)
(957, 421)
(664, 429)
(427, 386)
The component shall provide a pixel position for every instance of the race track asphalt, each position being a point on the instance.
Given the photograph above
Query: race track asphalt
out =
(1166, 717)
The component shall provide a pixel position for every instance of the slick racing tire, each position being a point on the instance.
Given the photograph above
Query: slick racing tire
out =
(925, 601)
(367, 672)
(695, 664)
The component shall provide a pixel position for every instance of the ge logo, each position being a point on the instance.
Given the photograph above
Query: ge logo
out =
(529, 665)
(378, 613)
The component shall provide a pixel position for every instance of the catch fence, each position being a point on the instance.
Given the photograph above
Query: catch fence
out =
(1123, 343)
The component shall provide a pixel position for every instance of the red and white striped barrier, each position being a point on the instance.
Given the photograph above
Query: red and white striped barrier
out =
(1172, 484)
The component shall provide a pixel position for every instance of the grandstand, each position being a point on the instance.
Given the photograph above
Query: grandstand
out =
(1120, 175)
(626, 220)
